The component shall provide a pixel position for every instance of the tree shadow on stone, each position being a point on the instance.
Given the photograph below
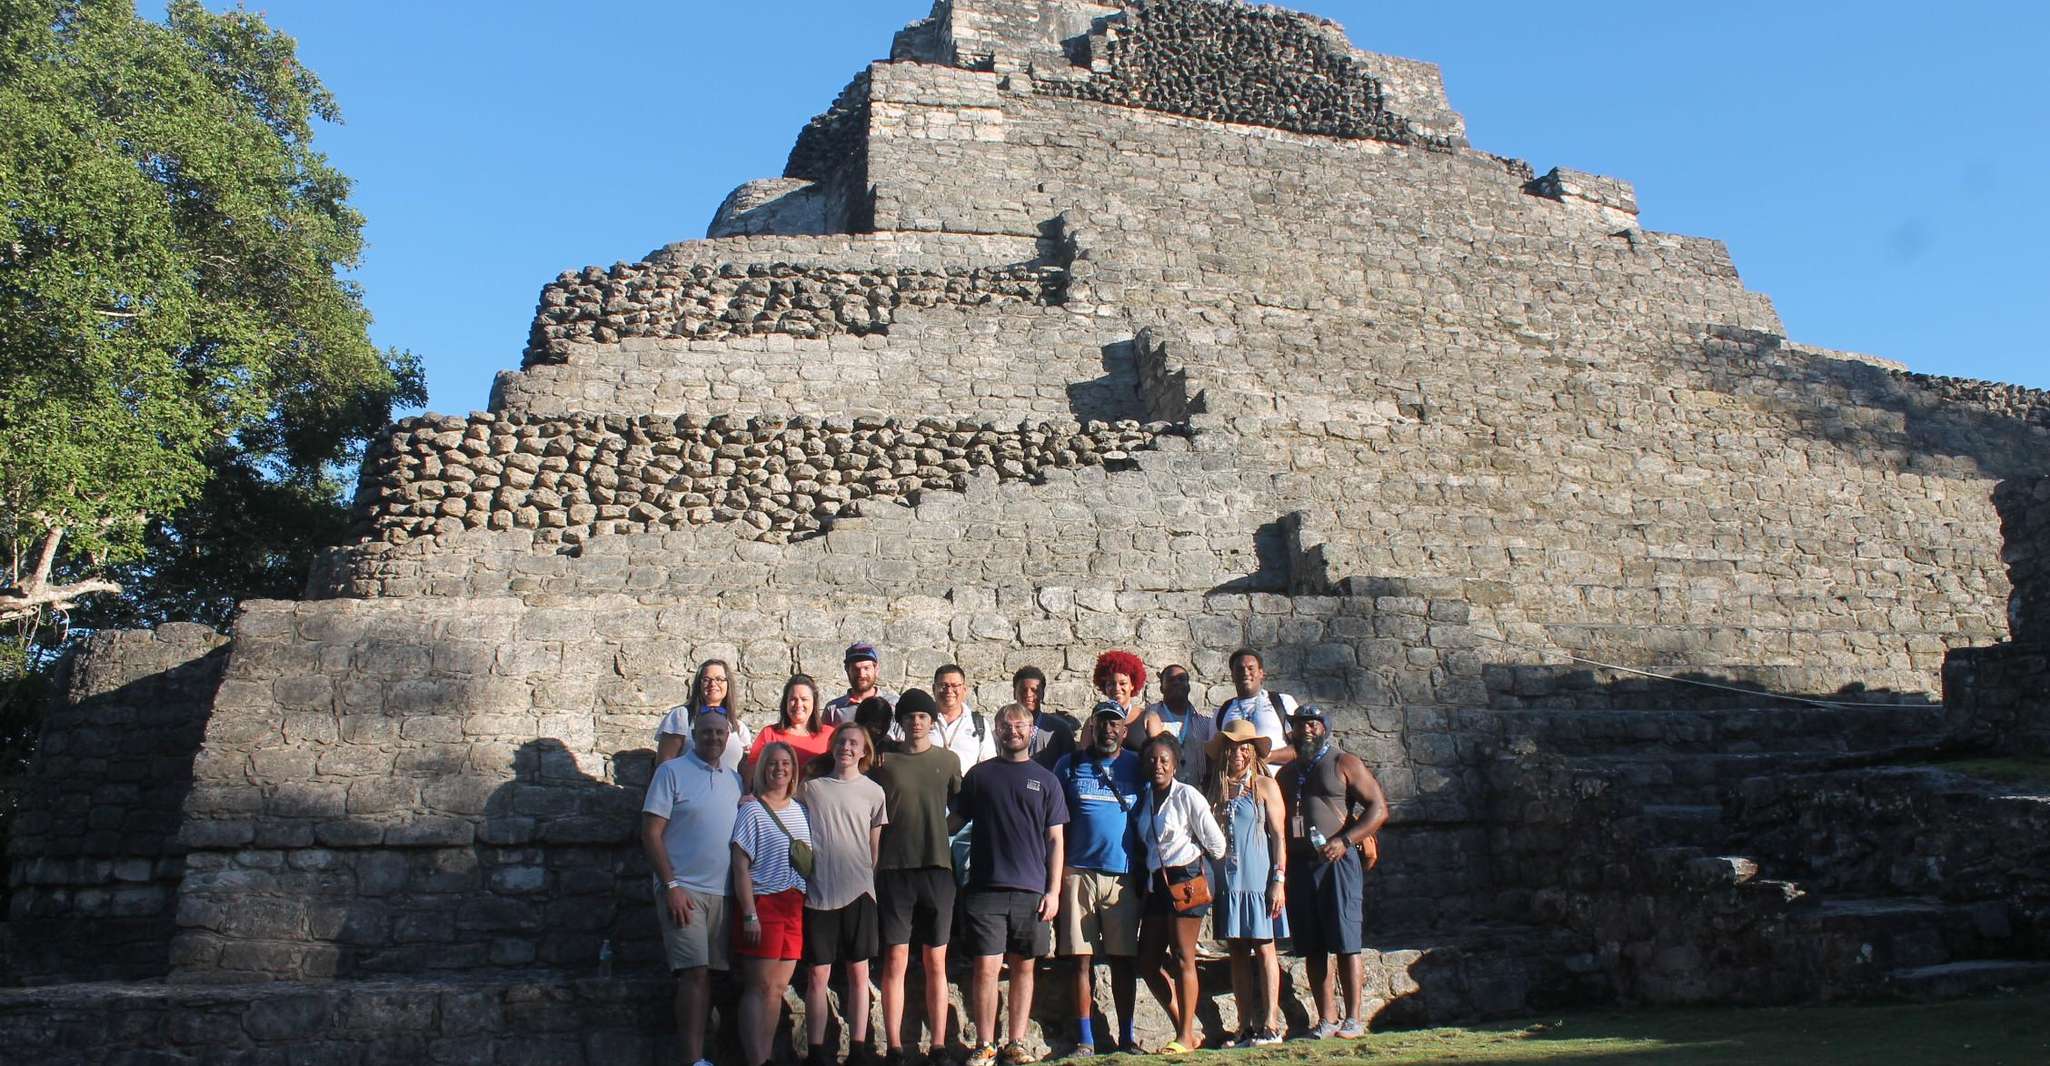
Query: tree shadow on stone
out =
(559, 867)
(94, 853)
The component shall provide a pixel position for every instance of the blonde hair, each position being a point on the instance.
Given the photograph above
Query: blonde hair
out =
(759, 784)
(868, 745)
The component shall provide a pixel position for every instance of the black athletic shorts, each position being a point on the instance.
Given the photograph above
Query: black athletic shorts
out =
(1005, 921)
(846, 934)
(915, 906)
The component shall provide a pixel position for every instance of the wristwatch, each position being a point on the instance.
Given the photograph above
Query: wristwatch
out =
(1278, 876)
(749, 919)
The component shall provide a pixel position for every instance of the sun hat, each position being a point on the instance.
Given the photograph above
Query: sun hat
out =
(1238, 731)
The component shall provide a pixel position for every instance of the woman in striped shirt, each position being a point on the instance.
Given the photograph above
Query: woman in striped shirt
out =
(768, 896)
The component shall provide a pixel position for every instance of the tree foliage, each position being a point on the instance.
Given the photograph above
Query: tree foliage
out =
(182, 363)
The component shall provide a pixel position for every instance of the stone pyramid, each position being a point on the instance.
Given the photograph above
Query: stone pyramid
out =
(1168, 325)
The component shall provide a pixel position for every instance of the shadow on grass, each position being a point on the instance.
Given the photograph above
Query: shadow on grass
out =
(2003, 1030)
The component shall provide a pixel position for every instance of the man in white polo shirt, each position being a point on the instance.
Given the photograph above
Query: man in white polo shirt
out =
(964, 732)
(686, 824)
(1268, 711)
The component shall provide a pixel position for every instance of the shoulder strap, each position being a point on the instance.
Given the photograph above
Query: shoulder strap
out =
(779, 822)
(1109, 781)
(1280, 712)
(975, 723)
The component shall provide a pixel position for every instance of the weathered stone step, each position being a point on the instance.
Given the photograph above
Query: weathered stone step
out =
(625, 1020)
(1858, 941)
(1699, 824)
(1968, 977)
(1783, 728)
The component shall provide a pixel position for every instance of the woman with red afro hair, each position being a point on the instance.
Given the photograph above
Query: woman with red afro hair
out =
(1121, 677)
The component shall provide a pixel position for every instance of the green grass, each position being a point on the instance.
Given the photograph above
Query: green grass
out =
(2012, 1029)
(2023, 771)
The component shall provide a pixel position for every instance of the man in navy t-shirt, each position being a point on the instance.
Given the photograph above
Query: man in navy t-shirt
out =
(1014, 877)
(1099, 903)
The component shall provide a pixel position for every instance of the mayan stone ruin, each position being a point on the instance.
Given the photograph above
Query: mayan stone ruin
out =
(1169, 325)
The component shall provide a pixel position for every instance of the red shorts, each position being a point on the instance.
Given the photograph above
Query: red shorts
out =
(782, 918)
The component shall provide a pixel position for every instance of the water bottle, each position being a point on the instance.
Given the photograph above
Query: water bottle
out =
(1316, 837)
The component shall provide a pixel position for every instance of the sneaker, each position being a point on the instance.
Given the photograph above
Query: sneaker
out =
(1242, 1041)
(893, 1057)
(1323, 1031)
(1353, 1029)
(983, 1055)
(1131, 1047)
(1017, 1054)
(1083, 1051)
(1266, 1037)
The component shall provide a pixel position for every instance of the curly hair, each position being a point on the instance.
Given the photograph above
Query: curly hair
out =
(1119, 662)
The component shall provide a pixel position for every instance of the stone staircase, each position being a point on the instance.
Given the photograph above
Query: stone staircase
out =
(1694, 818)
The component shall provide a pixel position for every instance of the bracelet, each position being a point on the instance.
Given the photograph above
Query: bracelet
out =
(674, 883)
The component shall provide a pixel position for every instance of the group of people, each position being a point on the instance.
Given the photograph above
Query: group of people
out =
(855, 829)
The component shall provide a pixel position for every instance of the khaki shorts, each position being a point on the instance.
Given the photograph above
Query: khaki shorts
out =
(1099, 914)
(706, 941)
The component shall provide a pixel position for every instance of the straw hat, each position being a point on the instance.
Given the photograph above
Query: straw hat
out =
(1239, 731)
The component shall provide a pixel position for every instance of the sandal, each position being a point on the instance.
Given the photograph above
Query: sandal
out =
(1173, 1047)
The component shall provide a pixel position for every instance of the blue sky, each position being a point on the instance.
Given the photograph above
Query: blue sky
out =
(1876, 168)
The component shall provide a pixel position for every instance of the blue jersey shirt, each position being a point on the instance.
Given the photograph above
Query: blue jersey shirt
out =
(1100, 835)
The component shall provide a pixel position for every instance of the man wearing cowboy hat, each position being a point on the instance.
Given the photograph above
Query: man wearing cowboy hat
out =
(1335, 808)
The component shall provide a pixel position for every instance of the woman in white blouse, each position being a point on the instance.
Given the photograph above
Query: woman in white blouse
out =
(714, 689)
(1177, 830)
(768, 897)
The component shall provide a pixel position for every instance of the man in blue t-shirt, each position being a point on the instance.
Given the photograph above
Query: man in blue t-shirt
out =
(1099, 902)
(1014, 877)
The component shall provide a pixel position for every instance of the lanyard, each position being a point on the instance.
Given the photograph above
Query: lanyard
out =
(947, 734)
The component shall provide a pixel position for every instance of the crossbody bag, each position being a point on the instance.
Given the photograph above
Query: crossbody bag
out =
(801, 858)
(1184, 895)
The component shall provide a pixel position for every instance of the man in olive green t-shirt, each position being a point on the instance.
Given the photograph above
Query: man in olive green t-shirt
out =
(915, 868)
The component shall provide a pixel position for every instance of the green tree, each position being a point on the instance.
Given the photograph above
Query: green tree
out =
(183, 369)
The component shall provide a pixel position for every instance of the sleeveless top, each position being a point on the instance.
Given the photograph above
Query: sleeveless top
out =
(1241, 910)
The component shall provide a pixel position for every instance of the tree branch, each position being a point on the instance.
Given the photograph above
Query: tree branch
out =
(31, 595)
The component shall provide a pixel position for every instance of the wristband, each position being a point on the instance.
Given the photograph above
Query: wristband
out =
(1278, 876)
(673, 883)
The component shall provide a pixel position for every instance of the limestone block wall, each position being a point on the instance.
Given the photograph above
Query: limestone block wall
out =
(2025, 513)
(400, 785)
(1663, 528)
(883, 324)
(996, 363)
(94, 859)
(540, 1019)
(1170, 518)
